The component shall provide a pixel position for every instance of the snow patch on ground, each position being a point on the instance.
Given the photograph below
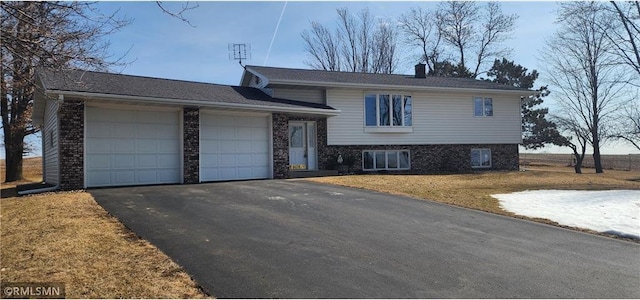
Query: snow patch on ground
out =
(614, 212)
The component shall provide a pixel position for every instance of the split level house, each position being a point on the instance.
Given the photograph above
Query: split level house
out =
(102, 129)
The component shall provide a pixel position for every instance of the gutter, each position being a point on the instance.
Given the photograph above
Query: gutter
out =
(198, 103)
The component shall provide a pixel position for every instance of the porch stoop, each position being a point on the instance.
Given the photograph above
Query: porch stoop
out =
(312, 173)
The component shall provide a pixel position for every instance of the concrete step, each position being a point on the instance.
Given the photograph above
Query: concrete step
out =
(311, 173)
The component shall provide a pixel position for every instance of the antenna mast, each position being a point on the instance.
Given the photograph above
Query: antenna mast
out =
(239, 51)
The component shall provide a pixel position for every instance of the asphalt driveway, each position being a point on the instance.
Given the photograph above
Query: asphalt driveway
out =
(297, 239)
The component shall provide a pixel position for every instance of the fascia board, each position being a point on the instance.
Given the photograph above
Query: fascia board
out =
(197, 103)
(396, 87)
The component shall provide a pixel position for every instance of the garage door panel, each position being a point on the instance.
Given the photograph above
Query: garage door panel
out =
(261, 172)
(165, 131)
(260, 146)
(123, 130)
(99, 177)
(132, 152)
(120, 116)
(123, 177)
(259, 134)
(244, 134)
(167, 176)
(120, 145)
(227, 160)
(227, 146)
(99, 161)
(210, 174)
(244, 146)
(244, 159)
(123, 161)
(147, 161)
(209, 160)
(167, 146)
(208, 132)
(99, 129)
(149, 131)
(259, 160)
(146, 146)
(211, 145)
(167, 161)
(147, 176)
(234, 147)
(99, 145)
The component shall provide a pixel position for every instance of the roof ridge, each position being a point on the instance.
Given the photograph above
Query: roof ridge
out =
(382, 74)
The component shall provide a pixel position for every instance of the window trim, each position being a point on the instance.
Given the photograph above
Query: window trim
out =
(402, 95)
(386, 158)
(481, 150)
(484, 105)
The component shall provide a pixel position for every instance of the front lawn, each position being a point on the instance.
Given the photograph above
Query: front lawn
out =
(475, 190)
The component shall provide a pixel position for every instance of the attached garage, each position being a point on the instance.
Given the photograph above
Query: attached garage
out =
(234, 147)
(131, 147)
(105, 129)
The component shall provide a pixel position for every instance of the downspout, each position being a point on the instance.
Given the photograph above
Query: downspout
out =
(37, 191)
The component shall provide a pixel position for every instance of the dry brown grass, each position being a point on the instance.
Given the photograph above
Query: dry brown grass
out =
(68, 237)
(31, 171)
(475, 190)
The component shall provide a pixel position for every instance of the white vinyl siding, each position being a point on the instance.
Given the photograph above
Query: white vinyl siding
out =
(437, 118)
(50, 143)
(132, 147)
(306, 95)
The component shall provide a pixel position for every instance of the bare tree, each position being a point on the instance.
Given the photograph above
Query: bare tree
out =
(421, 31)
(457, 23)
(628, 123)
(577, 140)
(625, 35)
(475, 35)
(589, 82)
(323, 48)
(178, 14)
(359, 44)
(56, 35)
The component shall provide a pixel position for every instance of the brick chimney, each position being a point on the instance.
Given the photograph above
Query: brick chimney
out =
(421, 71)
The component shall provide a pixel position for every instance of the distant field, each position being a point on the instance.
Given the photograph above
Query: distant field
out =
(629, 162)
(31, 170)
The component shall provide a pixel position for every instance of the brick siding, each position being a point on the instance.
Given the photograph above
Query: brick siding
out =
(424, 159)
(191, 145)
(71, 144)
(431, 159)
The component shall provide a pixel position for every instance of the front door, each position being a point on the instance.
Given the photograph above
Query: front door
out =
(302, 146)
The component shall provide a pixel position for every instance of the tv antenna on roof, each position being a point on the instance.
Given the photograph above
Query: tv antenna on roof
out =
(240, 51)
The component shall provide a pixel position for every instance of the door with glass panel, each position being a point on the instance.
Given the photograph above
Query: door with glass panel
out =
(302, 146)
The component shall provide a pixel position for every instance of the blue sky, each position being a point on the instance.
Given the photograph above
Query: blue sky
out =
(167, 47)
(162, 46)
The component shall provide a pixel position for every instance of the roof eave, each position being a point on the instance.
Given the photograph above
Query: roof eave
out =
(197, 103)
(39, 103)
(389, 86)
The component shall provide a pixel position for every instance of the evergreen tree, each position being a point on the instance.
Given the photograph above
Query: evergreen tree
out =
(537, 130)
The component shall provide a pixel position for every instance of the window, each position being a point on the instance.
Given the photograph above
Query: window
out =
(481, 158)
(387, 110)
(482, 107)
(385, 160)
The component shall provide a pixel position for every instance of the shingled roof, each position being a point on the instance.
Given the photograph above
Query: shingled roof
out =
(321, 77)
(101, 83)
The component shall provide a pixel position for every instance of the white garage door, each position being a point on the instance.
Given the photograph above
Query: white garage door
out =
(131, 147)
(233, 147)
